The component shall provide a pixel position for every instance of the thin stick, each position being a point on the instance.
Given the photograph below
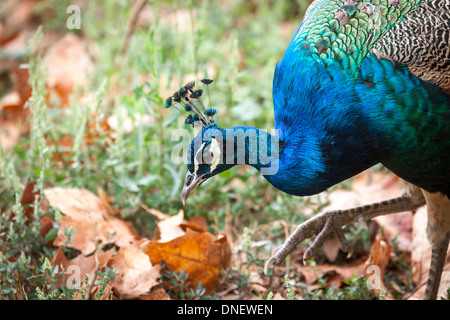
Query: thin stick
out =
(131, 24)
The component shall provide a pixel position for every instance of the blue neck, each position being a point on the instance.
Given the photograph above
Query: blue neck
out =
(294, 164)
(251, 146)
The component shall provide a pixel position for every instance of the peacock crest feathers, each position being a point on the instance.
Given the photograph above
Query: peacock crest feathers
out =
(189, 101)
(344, 31)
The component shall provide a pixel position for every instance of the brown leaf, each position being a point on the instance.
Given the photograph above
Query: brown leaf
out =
(169, 229)
(105, 200)
(85, 212)
(138, 274)
(398, 225)
(68, 65)
(28, 197)
(12, 120)
(64, 147)
(200, 255)
(197, 223)
(77, 268)
(278, 296)
(332, 278)
(159, 294)
(331, 248)
(46, 225)
(158, 214)
(380, 254)
(95, 127)
(346, 271)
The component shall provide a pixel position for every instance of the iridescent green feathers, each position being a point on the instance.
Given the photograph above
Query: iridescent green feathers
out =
(345, 31)
(189, 101)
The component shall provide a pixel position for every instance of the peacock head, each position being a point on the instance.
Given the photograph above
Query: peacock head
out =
(206, 158)
(206, 154)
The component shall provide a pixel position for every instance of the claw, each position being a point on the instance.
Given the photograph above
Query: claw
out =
(268, 264)
(350, 253)
(306, 256)
(345, 246)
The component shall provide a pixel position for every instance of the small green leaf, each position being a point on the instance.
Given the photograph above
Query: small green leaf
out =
(51, 235)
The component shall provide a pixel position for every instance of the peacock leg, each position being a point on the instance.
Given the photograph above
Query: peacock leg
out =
(438, 233)
(327, 223)
(438, 254)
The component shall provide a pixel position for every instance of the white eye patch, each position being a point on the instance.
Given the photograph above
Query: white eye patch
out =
(217, 153)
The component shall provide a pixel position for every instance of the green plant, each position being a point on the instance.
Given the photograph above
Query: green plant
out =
(290, 293)
(354, 288)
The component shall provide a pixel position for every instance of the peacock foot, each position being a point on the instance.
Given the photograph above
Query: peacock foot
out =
(325, 224)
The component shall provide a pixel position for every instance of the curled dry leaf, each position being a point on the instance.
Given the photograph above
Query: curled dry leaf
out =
(171, 227)
(200, 255)
(85, 212)
(138, 274)
(197, 223)
(380, 253)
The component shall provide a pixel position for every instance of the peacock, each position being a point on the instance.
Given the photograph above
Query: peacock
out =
(362, 82)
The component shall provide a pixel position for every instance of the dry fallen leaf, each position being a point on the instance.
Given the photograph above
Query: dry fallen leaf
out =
(68, 66)
(63, 147)
(278, 296)
(138, 274)
(159, 294)
(311, 274)
(331, 247)
(85, 212)
(197, 223)
(380, 253)
(170, 228)
(75, 270)
(200, 255)
(105, 200)
(13, 115)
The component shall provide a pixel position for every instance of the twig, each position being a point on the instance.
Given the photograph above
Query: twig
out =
(131, 24)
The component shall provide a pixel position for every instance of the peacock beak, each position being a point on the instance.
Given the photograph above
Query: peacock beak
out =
(190, 183)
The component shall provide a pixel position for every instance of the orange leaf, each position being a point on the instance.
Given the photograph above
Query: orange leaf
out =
(195, 223)
(200, 255)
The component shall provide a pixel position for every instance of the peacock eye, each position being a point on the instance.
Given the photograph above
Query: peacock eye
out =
(208, 157)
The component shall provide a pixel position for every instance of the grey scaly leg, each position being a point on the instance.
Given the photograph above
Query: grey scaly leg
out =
(438, 233)
(438, 254)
